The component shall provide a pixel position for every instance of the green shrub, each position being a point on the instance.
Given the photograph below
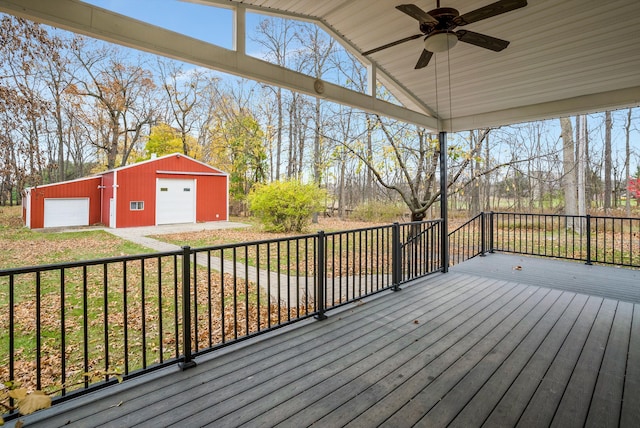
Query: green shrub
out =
(376, 211)
(285, 206)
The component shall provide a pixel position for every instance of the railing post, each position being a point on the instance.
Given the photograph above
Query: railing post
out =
(483, 237)
(396, 257)
(186, 308)
(588, 239)
(444, 204)
(320, 277)
(444, 246)
(491, 232)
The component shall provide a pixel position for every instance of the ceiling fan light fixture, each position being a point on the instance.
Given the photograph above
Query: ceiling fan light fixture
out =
(440, 41)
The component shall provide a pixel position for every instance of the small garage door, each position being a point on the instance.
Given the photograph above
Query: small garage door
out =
(62, 212)
(175, 201)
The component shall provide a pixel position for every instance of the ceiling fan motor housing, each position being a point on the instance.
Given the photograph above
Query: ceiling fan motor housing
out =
(445, 17)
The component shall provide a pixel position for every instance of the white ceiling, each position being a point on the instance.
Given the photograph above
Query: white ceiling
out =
(565, 56)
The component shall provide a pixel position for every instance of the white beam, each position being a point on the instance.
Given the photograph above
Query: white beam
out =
(100, 23)
(239, 30)
(585, 104)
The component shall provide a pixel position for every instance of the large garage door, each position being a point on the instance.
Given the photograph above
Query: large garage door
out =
(62, 212)
(175, 201)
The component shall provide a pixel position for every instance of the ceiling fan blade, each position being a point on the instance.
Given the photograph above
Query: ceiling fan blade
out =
(488, 11)
(388, 45)
(482, 40)
(415, 12)
(424, 59)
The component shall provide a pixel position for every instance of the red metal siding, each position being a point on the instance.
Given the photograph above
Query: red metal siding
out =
(138, 183)
(107, 194)
(211, 200)
(87, 188)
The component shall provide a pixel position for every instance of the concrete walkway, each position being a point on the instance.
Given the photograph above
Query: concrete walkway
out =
(294, 290)
(141, 235)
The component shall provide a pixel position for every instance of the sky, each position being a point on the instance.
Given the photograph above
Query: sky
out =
(208, 23)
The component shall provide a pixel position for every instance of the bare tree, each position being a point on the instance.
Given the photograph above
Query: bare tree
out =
(275, 35)
(123, 95)
(24, 108)
(569, 167)
(608, 188)
(627, 160)
(184, 90)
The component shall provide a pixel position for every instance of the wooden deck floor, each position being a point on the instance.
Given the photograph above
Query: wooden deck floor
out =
(458, 349)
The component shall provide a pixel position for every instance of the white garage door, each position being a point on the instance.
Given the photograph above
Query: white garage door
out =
(175, 201)
(59, 212)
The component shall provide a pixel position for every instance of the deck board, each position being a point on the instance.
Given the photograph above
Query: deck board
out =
(448, 375)
(407, 350)
(466, 348)
(333, 371)
(320, 357)
(630, 414)
(575, 402)
(509, 355)
(517, 378)
(596, 280)
(544, 403)
(607, 396)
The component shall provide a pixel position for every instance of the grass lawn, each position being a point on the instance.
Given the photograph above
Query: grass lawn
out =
(20, 246)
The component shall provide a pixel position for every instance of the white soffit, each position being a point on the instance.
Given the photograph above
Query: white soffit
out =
(565, 56)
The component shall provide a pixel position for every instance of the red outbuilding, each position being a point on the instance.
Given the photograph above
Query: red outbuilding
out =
(165, 190)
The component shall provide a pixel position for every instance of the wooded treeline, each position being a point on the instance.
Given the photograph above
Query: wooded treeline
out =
(73, 106)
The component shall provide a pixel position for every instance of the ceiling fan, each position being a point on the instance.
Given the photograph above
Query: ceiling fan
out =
(437, 26)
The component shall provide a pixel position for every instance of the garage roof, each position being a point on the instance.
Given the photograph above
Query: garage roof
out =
(565, 57)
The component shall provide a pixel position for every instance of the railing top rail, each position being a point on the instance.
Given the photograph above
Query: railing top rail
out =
(252, 243)
(564, 215)
(615, 218)
(468, 222)
(82, 263)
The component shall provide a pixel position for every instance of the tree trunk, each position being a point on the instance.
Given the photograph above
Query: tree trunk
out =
(627, 161)
(279, 139)
(316, 151)
(569, 167)
(607, 162)
(341, 191)
(368, 193)
(580, 159)
(487, 177)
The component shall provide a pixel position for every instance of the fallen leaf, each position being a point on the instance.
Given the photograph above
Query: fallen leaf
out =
(18, 393)
(37, 400)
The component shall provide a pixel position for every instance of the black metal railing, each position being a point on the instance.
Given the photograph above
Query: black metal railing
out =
(471, 239)
(71, 328)
(591, 239)
(66, 327)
